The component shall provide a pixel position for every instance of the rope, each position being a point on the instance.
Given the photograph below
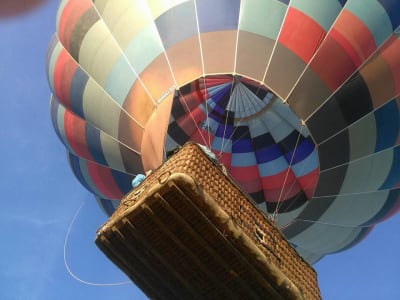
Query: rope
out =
(68, 268)
(274, 215)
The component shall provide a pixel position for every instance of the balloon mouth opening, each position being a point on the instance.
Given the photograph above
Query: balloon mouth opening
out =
(264, 145)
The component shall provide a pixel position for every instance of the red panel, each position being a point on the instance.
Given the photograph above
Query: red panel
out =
(63, 73)
(74, 128)
(225, 159)
(332, 63)
(188, 124)
(215, 81)
(309, 182)
(390, 52)
(355, 37)
(281, 194)
(251, 186)
(202, 136)
(301, 34)
(70, 15)
(243, 174)
(104, 181)
(277, 181)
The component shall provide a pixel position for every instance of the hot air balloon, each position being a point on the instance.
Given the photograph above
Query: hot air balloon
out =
(14, 7)
(298, 100)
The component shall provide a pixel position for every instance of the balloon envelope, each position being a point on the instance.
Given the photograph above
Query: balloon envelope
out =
(14, 7)
(299, 101)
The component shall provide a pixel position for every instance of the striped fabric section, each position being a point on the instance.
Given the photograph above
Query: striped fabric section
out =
(299, 100)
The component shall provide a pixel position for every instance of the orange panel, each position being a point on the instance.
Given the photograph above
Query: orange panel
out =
(185, 59)
(379, 80)
(251, 46)
(154, 135)
(219, 51)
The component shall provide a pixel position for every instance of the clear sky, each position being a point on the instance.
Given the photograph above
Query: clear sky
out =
(40, 197)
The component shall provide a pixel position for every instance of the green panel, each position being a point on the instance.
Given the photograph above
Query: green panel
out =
(100, 109)
(111, 152)
(326, 238)
(362, 136)
(367, 174)
(322, 12)
(60, 122)
(354, 210)
(52, 63)
(263, 17)
(144, 48)
(120, 80)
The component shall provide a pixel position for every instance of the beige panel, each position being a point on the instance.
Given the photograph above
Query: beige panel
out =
(154, 135)
(219, 51)
(253, 53)
(126, 20)
(129, 133)
(185, 59)
(100, 109)
(284, 70)
(98, 44)
(379, 80)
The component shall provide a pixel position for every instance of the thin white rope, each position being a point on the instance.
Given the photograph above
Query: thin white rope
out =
(203, 76)
(68, 268)
(275, 44)
(192, 117)
(324, 223)
(226, 115)
(286, 175)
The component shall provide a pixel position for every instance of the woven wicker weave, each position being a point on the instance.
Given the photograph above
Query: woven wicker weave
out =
(264, 241)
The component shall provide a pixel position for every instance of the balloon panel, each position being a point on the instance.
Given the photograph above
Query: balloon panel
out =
(299, 101)
(10, 8)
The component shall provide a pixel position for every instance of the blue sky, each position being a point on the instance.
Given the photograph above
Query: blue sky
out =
(41, 197)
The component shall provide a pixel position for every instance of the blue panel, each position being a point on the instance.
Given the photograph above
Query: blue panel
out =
(78, 84)
(242, 133)
(224, 131)
(218, 15)
(123, 180)
(285, 1)
(307, 165)
(387, 124)
(243, 159)
(289, 142)
(75, 166)
(263, 141)
(342, 2)
(106, 205)
(92, 137)
(303, 149)
(177, 24)
(268, 154)
(272, 167)
(392, 8)
(393, 178)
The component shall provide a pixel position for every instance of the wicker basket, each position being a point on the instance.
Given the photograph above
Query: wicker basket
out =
(189, 232)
